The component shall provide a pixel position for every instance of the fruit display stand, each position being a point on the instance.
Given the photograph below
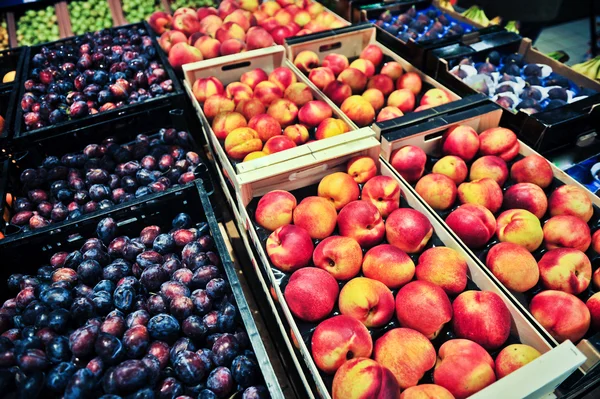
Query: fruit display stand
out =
(11, 61)
(427, 135)
(545, 130)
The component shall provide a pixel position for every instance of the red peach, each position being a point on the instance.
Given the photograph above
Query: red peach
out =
(489, 166)
(437, 190)
(388, 113)
(160, 21)
(183, 53)
(227, 7)
(410, 162)
(453, 167)
(499, 141)
(267, 92)
(462, 141)
(250, 108)
(170, 38)
(362, 221)
(434, 98)
(216, 104)
(284, 111)
(513, 357)
(526, 196)
(388, 264)
(254, 155)
(444, 267)
(354, 78)
(339, 188)
(283, 76)
(305, 61)
(408, 229)
(230, 30)
(339, 256)
(596, 241)
(565, 269)
(513, 266)
(563, 315)
(364, 378)
(331, 127)
(275, 209)
(239, 17)
(185, 11)
(269, 7)
(532, 169)
(278, 144)
(258, 38)
(383, 83)
(411, 81)
(317, 216)
(249, 5)
(359, 110)
(424, 307)
(365, 66)
(314, 112)
(567, 231)
(225, 122)
(520, 227)
(362, 168)
(290, 248)
(473, 224)
(372, 53)
(254, 77)
(311, 293)
(209, 47)
(302, 18)
(384, 193)
(185, 23)
(337, 92)
(393, 70)
(297, 133)
(238, 91)
(593, 305)
(484, 192)
(368, 301)
(298, 93)
(204, 88)
(336, 62)
(232, 46)
(426, 391)
(402, 99)
(375, 98)
(571, 200)
(266, 126)
(283, 17)
(241, 142)
(321, 77)
(205, 12)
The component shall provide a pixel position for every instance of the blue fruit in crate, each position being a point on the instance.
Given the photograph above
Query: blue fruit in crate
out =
(220, 381)
(532, 70)
(170, 388)
(244, 371)
(531, 92)
(163, 327)
(59, 376)
(556, 103)
(256, 392)
(515, 58)
(557, 93)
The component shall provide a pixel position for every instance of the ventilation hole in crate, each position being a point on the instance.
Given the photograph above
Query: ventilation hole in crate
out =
(235, 66)
(433, 136)
(329, 47)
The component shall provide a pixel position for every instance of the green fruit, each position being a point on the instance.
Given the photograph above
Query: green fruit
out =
(37, 26)
(89, 16)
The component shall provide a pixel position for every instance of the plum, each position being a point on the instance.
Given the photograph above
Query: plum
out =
(531, 92)
(557, 93)
(511, 69)
(220, 382)
(160, 350)
(225, 349)
(515, 58)
(163, 327)
(59, 376)
(216, 288)
(532, 70)
(189, 368)
(169, 388)
(130, 376)
(114, 324)
(136, 341)
(555, 103)
(80, 385)
(256, 392)
(244, 371)
(181, 307)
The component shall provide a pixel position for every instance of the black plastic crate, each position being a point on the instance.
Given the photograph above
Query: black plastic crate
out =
(175, 99)
(10, 60)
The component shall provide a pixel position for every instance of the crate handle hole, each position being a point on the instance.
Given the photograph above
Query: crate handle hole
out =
(433, 136)
(235, 66)
(329, 47)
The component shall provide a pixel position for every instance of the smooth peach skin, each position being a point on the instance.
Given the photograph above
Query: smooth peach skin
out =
(363, 378)
(411, 81)
(513, 266)
(216, 104)
(571, 200)
(359, 110)
(499, 141)
(204, 88)
(393, 70)
(526, 196)
(297, 133)
(365, 66)
(283, 76)
(437, 190)
(362, 221)
(317, 216)
(275, 209)
(444, 267)
(331, 127)
(410, 162)
(314, 112)
(367, 300)
(463, 368)
(232, 46)
(278, 144)
(424, 307)
(426, 391)
(453, 167)
(462, 141)
(160, 21)
(209, 47)
(354, 78)
(238, 91)
(254, 77)
(596, 241)
(408, 230)
(563, 315)
(513, 357)
(482, 317)
(321, 77)
(362, 168)
(336, 62)
(435, 97)
(593, 305)
(305, 61)
(267, 92)
(340, 256)
(532, 169)
(170, 38)
(567, 231)
(565, 269)
(265, 126)
(337, 92)
(250, 108)
(388, 113)
(375, 98)
(388, 264)
(383, 83)
(403, 99)
(489, 166)
(407, 353)
(226, 122)
(485, 192)
(339, 188)
(336, 338)
(311, 294)
(298, 93)
(473, 224)
(520, 227)
(254, 155)
(284, 111)
(372, 53)
(241, 142)
(384, 193)
(289, 248)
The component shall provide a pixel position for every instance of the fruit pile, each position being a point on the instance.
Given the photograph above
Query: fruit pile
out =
(367, 89)
(137, 10)
(101, 176)
(379, 312)
(89, 16)
(175, 4)
(498, 213)
(37, 26)
(264, 114)
(519, 86)
(144, 316)
(234, 27)
(94, 73)
(428, 24)
(3, 34)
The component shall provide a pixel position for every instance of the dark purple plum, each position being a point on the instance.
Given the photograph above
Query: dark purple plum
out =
(216, 288)
(82, 340)
(89, 271)
(130, 376)
(123, 298)
(225, 349)
(163, 327)
(136, 341)
(193, 328)
(189, 368)
(153, 277)
(102, 302)
(114, 324)
(32, 360)
(152, 366)
(82, 310)
(58, 320)
(202, 302)
(172, 289)
(137, 318)
(132, 249)
(117, 246)
(183, 237)
(81, 384)
(106, 230)
(184, 276)
(57, 298)
(149, 234)
(59, 376)
(171, 265)
(181, 307)
(163, 243)
(245, 371)
(220, 382)
(207, 394)
(256, 392)
(58, 350)
(161, 351)
(156, 304)
(169, 388)
(149, 258)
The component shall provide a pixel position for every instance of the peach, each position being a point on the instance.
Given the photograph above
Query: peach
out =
(331, 127)
(241, 142)
(305, 61)
(369, 301)
(473, 224)
(489, 166)
(388, 264)
(238, 91)
(269, 7)
(337, 92)
(278, 144)
(283, 17)
(407, 353)
(571, 200)
(526, 196)
(365, 66)
(267, 92)
(340, 256)
(230, 30)
(513, 266)
(209, 47)
(216, 104)
(463, 368)
(317, 216)
(258, 38)
(565, 269)
(403, 99)
(185, 23)
(170, 38)
(354, 78)
(435, 97)
(424, 307)
(225, 122)
(249, 5)
(337, 339)
(362, 221)
(336, 62)
(283, 76)
(311, 293)
(183, 53)
(185, 11)
(362, 168)
(204, 88)
(254, 77)
(532, 169)
(484, 192)
(482, 317)
(321, 77)
(426, 391)
(444, 267)
(364, 378)
(283, 111)
(315, 9)
(359, 110)
(239, 17)
(298, 93)
(339, 188)
(567, 231)
(254, 155)
(593, 305)
(411, 81)
(281, 33)
(266, 126)
(375, 98)
(160, 21)
(408, 229)
(384, 193)
(302, 18)
(410, 162)
(232, 46)
(388, 113)
(453, 167)
(422, 108)
(437, 190)
(250, 108)
(499, 141)
(393, 70)
(297, 133)
(314, 112)
(596, 241)
(520, 227)
(513, 357)
(227, 7)
(563, 315)
(210, 25)
(462, 141)
(275, 209)
(195, 38)
(372, 53)
(289, 248)
(383, 83)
